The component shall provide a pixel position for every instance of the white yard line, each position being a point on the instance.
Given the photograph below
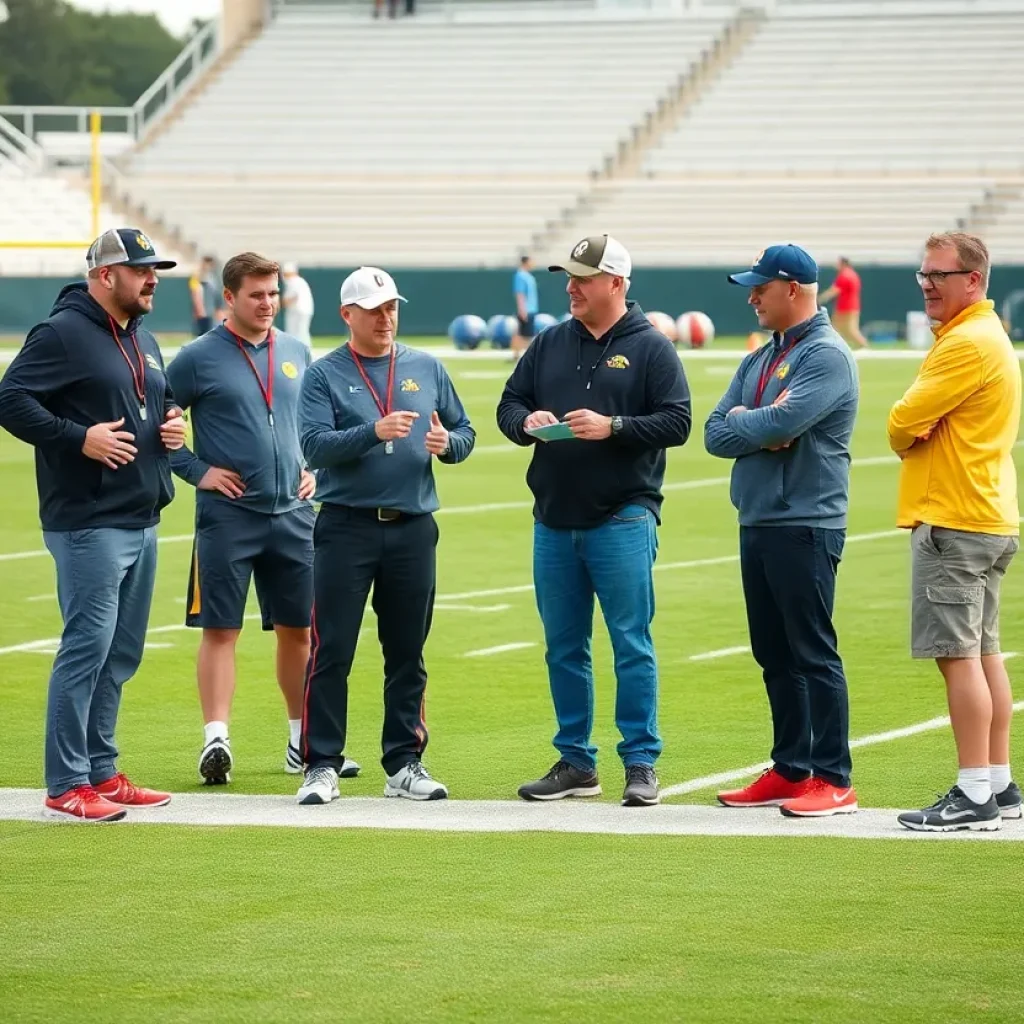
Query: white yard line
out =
(721, 778)
(486, 652)
(480, 609)
(41, 597)
(725, 652)
(471, 595)
(17, 556)
(593, 817)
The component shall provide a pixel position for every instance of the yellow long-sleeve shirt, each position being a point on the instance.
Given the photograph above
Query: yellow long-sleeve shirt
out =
(956, 426)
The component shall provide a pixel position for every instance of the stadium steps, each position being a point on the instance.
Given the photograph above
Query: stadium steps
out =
(663, 117)
(984, 215)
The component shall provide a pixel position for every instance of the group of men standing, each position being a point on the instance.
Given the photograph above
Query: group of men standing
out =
(600, 397)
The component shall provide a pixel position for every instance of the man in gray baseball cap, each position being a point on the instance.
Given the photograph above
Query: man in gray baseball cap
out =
(124, 247)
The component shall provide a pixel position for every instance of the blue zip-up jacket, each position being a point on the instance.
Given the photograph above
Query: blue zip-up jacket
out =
(69, 376)
(231, 426)
(808, 483)
(337, 417)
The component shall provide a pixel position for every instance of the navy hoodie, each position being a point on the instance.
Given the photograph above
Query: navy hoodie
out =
(68, 376)
(633, 371)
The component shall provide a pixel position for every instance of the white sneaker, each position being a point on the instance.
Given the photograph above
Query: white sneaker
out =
(320, 786)
(215, 763)
(414, 783)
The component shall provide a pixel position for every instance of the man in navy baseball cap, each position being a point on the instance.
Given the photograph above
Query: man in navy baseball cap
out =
(779, 263)
(124, 247)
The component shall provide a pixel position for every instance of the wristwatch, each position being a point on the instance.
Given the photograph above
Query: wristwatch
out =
(616, 425)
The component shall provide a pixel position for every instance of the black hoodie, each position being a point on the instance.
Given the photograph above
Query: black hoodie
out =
(68, 376)
(633, 371)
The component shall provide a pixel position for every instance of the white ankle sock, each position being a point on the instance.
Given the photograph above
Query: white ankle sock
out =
(975, 784)
(294, 731)
(215, 731)
(1001, 777)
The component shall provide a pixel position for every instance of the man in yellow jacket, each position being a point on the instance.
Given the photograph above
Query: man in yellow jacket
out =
(955, 430)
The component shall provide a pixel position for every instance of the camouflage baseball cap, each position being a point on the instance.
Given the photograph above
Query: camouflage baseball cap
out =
(124, 247)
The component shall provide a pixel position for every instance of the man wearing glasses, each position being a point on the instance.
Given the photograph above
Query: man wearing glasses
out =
(955, 429)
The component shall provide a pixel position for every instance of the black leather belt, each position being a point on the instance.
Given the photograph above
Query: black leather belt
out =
(381, 515)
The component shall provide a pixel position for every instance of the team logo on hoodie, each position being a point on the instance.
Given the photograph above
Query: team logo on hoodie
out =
(151, 361)
(783, 371)
(289, 370)
(617, 362)
(410, 385)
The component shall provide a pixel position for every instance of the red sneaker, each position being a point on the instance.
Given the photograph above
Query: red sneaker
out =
(821, 800)
(121, 790)
(770, 790)
(84, 804)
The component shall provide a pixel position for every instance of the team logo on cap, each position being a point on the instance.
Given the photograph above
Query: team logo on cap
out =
(151, 361)
(143, 242)
(410, 385)
(378, 280)
(580, 249)
(290, 370)
(617, 362)
(758, 258)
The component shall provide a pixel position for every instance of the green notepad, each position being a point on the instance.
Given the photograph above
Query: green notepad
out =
(552, 432)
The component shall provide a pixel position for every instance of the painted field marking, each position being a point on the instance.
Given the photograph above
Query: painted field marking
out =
(486, 652)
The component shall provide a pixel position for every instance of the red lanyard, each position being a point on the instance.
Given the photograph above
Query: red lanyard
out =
(138, 378)
(268, 391)
(768, 370)
(385, 409)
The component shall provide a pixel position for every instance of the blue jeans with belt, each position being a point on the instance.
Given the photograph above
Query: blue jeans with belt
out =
(105, 583)
(613, 562)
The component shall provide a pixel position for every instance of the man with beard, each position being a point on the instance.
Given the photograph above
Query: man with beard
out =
(88, 392)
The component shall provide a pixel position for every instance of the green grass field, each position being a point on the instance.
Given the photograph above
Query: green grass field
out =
(173, 923)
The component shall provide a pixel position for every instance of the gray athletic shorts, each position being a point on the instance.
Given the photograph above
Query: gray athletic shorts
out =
(955, 599)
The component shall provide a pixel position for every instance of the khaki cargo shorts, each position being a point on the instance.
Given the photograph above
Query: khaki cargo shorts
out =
(955, 591)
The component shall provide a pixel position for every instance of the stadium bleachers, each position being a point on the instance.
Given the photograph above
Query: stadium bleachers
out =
(428, 143)
(464, 136)
(727, 219)
(867, 93)
(45, 207)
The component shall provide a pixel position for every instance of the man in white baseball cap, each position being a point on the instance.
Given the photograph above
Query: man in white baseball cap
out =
(374, 415)
(369, 287)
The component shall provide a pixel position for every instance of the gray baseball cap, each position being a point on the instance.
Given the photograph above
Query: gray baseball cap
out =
(124, 247)
(598, 254)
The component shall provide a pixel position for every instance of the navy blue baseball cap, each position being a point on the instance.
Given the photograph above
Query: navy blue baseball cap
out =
(779, 263)
(124, 247)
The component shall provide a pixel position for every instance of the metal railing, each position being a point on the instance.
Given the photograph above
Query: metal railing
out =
(135, 120)
(17, 149)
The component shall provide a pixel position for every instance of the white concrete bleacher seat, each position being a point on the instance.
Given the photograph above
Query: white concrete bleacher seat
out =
(925, 92)
(1005, 238)
(727, 220)
(45, 208)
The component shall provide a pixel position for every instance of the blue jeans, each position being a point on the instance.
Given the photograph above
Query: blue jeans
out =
(105, 587)
(613, 561)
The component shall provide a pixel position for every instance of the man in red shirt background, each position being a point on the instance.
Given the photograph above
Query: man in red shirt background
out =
(846, 318)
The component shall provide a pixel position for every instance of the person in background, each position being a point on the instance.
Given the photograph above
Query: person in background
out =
(786, 422)
(88, 392)
(378, 6)
(955, 430)
(846, 290)
(524, 289)
(297, 302)
(207, 300)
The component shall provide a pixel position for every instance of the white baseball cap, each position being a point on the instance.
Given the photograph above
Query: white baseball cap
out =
(369, 287)
(598, 254)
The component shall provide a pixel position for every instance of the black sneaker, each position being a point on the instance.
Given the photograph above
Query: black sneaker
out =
(563, 780)
(954, 811)
(1010, 801)
(641, 786)
(215, 763)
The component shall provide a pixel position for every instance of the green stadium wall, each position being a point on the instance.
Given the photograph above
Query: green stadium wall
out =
(437, 296)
